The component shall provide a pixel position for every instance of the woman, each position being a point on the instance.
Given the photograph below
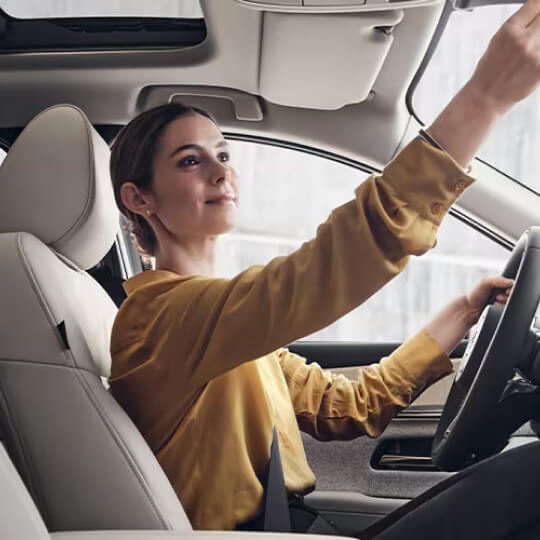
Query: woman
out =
(199, 363)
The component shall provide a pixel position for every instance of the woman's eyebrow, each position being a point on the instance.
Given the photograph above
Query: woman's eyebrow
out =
(185, 147)
(196, 147)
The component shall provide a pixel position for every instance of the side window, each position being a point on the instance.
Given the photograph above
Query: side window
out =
(285, 194)
(2, 155)
(460, 259)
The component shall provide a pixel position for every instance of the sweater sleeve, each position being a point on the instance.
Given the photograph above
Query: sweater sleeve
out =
(331, 407)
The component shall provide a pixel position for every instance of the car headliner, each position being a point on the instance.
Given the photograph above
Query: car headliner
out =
(241, 66)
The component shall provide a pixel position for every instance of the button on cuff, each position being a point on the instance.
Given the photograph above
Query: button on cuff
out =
(436, 209)
(460, 186)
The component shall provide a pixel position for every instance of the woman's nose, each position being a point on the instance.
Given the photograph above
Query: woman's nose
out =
(220, 174)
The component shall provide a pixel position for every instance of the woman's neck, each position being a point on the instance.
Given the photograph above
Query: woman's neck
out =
(187, 256)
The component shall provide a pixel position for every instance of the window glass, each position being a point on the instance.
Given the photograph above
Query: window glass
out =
(512, 144)
(285, 194)
(37, 9)
(2, 155)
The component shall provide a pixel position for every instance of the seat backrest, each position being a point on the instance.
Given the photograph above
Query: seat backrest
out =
(19, 517)
(81, 458)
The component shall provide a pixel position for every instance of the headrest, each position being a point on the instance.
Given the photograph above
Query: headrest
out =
(55, 184)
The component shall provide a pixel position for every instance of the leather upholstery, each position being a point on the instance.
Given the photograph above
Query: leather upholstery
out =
(19, 517)
(83, 461)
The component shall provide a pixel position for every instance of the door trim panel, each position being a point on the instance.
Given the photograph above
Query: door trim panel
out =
(336, 354)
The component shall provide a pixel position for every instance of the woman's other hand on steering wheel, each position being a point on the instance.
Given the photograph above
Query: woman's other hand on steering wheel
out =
(451, 324)
(477, 297)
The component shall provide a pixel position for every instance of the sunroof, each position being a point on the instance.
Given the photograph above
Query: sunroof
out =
(70, 25)
(47, 9)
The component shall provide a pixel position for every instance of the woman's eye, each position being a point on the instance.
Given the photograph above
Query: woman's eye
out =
(188, 161)
(224, 156)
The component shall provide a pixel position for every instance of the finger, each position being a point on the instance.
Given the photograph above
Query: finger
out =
(495, 286)
(498, 282)
(526, 14)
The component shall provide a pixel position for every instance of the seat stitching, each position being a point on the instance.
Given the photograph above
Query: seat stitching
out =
(25, 361)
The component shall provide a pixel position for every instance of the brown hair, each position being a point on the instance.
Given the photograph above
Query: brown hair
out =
(132, 156)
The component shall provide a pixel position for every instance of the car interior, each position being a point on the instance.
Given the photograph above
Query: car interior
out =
(333, 79)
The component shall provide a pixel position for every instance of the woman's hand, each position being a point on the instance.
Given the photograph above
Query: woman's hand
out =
(508, 72)
(476, 299)
(450, 326)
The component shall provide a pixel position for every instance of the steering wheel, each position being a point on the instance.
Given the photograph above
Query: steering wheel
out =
(495, 348)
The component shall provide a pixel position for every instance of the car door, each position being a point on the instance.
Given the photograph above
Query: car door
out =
(360, 481)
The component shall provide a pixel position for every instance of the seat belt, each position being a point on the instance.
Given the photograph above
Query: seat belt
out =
(277, 513)
(276, 504)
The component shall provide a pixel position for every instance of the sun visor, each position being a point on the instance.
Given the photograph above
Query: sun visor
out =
(323, 61)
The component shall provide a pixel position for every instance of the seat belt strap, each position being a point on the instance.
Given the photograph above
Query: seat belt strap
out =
(276, 505)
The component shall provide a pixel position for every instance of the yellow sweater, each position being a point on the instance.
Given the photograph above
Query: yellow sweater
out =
(199, 365)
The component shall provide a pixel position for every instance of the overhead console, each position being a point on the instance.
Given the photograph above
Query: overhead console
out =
(325, 54)
(334, 6)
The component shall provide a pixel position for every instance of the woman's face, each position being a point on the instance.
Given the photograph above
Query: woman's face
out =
(194, 187)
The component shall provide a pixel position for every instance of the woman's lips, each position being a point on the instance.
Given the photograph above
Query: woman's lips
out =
(222, 200)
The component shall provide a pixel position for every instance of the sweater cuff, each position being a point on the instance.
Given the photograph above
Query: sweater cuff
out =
(421, 362)
(427, 178)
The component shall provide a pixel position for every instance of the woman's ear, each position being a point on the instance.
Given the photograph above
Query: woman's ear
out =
(136, 200)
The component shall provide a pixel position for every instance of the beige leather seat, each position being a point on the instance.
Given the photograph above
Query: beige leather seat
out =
(84, 463)
(19, 517)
